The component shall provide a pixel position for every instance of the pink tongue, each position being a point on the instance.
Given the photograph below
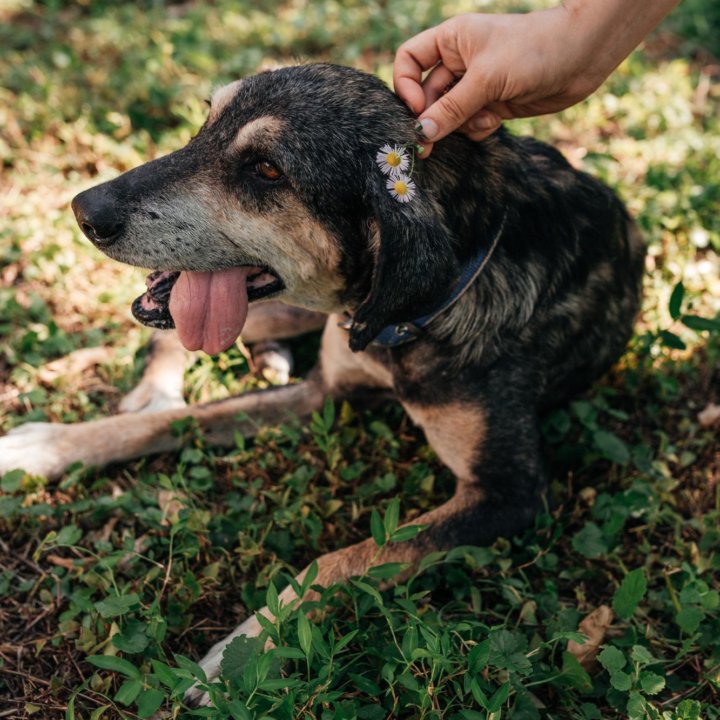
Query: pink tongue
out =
(209, 308)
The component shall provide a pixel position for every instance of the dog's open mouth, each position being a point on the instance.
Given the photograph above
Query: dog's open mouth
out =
(207, 308)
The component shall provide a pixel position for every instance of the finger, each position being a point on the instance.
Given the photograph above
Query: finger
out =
(437, 83)
(481, 134)
(503, 110)
(426, 150)
(481, 125)
(455, 108)
(413, 57)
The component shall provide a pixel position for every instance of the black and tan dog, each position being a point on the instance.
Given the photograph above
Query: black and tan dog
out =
(506, 283)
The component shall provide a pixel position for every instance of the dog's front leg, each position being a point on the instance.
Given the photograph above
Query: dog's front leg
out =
(47, 449)
(161, 386)
(491, 442)
(339, 566)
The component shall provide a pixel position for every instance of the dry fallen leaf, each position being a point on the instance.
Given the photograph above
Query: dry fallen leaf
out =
(171, 502)
(710, 416)
(594, 627)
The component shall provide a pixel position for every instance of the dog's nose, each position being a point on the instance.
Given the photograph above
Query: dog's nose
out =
(97, 215)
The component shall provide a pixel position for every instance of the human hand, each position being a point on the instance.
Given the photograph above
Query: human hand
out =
(487, 68)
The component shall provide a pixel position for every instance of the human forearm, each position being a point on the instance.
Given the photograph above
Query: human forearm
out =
(602, 33)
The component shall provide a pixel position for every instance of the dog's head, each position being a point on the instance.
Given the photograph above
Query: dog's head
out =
(280, 195)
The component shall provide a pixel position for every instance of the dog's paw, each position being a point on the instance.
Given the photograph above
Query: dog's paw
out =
(37, 448)
(196, 696)
(274, 361)
(150, 397)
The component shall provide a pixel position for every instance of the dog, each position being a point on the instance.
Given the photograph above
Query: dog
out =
(494, 283)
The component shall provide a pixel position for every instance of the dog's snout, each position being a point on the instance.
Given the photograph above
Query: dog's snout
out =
(97, 214)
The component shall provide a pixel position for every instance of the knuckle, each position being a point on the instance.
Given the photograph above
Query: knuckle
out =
(452, 109)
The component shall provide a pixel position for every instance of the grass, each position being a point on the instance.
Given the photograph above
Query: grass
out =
(109, 591)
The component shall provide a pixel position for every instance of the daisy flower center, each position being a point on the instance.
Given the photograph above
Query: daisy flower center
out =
(393, 159)
(401, 187)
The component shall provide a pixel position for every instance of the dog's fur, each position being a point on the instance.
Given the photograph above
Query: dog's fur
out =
(552, 310)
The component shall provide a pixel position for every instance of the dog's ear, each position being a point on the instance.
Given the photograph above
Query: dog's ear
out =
(414, 261)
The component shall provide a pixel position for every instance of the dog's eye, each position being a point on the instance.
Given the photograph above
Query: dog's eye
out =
(268, 170)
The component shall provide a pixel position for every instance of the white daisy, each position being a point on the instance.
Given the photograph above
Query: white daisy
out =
(392, 159)
(401, 187)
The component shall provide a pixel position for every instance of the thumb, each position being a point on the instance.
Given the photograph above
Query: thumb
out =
(455, 107)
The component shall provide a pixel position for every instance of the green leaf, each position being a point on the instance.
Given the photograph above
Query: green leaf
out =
(272, 599)
(70, 710)
(309, 579)
(611, 447)
(133, 638)
(117, 605)
(689, 619)
(238, 654)
(612, 659)
(631, 591)
(304, 634)
(472, 715)
(291, 653)
(165, 674)
(507, 650)
(370, 590)
(478, 656)
(499, 698)
(192, 667)
(590, 542)
(574, 673)
(116, 664)
(671, 340)
(274, 684)
(377, 529)
(651, 682)
(128, 691)
(69, 535)
(477, 692)
(636, 709)
(676, 300)
(239, 710)
(689, 710)
(641, 655)
(329, 413)
(365, 684)
(407, 532)
(149, 701)
(474, 557)
(590, 712)
(697, 323)
(620, 680)
(11, 481)
(344, 640)
(392, 516)
(386, 571)
(97, 713)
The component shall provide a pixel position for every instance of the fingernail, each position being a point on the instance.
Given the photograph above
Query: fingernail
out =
(428, 128)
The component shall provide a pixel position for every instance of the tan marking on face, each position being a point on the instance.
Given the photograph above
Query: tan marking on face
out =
(220, 99)
(455, 432)
(262, 131)
(308, 255)
(342, 368)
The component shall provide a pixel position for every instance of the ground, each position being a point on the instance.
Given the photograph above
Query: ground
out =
(109, 591)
